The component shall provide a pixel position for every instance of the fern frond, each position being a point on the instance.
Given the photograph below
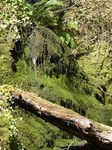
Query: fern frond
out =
(54, 3)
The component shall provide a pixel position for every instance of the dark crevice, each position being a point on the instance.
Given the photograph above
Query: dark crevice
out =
(101, 97)
(16, 53)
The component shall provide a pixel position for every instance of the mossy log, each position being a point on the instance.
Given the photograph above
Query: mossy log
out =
(65, 119)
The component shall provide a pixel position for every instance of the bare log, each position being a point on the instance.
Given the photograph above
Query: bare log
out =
(65, 119)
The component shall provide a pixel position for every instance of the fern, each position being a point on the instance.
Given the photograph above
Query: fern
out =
(44, 9)
(54, 3)
(45, 14)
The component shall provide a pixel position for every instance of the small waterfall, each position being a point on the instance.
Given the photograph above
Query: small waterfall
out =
(34, 62)
(66, 70)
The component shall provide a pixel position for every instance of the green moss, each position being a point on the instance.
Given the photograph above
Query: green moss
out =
(5, 63)
(64, 143)
(37, 134)
(60, 79)
(68, 86)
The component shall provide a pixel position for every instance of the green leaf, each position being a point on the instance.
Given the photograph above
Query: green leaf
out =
(49, 14)
(67, 41)
(62, 39)
(54, 3)
(73, 25)
(53, 22)
(72, 43)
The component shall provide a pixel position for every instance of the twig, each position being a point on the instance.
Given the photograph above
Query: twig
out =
(70, 145)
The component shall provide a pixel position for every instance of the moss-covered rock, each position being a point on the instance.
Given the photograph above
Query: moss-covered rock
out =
(54, 58)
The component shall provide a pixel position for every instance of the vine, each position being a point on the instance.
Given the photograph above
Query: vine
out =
(8, 130)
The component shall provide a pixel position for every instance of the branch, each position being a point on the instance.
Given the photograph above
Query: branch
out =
(65, 119)
(65, 9)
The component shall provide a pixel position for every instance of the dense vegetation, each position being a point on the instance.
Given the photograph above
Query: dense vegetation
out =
(61, 50)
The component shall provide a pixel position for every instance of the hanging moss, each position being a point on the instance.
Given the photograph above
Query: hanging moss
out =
(54, 58)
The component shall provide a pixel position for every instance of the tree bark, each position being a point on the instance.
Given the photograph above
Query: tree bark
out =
(65, 119)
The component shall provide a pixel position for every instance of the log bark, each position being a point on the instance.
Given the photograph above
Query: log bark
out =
(65, 119)
(84, 145)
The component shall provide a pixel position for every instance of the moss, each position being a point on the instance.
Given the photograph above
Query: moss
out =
(60, 80)
(68, 86)
(65, 143)
(37, 134)
(5, 63)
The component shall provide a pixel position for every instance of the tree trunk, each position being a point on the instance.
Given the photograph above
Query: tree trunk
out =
(65, 119)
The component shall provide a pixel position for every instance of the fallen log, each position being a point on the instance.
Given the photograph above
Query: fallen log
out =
(84, 145)
(65, 119)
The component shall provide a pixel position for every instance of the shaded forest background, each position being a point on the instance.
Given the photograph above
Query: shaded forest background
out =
(62, 51)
